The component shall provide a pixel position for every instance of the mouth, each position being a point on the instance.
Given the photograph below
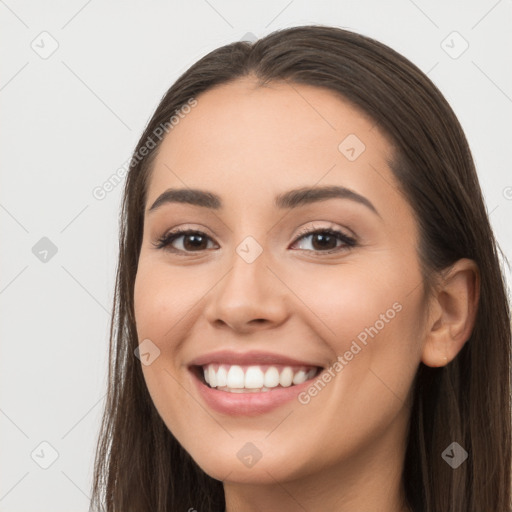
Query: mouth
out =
(250, 383)
(257, 378)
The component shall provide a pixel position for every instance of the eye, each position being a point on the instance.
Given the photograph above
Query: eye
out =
(325, 240)
(193, 241)
(322, 241)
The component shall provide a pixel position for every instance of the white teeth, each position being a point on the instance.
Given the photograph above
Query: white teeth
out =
(271, 377)
(286, 377)
(235, 378)
(299, 377)
(212, 377)
(222, 377)
(254, 379)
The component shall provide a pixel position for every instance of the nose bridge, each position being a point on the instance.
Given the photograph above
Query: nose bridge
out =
(248, 291)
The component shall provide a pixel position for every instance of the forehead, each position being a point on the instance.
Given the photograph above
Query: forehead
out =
(259, 139)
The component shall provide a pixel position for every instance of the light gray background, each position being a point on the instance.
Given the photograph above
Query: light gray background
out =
(71, 119)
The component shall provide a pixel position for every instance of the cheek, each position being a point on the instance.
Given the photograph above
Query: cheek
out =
(348, 301)
(370, 319)
(372, 323)
(163, 303)
(162, 298)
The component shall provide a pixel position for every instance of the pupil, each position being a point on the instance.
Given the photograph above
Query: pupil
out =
(324, 238)
(197, 240)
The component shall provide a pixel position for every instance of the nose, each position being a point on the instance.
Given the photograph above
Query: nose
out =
(248, 298)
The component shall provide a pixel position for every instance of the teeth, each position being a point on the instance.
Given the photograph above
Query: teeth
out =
(238, 379)
(235, 377)
(212, 377)
(286, 377)
(272, 377)
(254, 378)
(300, 377)
(222, 377)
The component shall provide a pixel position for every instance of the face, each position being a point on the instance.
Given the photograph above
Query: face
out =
(305, 310)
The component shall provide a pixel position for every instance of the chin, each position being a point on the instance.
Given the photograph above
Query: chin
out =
(229, 466)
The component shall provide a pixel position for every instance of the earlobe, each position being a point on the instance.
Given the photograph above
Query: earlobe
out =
(453, 313)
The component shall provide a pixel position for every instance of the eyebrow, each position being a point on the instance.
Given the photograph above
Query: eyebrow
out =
(287, 200)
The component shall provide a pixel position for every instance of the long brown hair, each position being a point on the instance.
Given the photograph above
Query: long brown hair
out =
(139, 464)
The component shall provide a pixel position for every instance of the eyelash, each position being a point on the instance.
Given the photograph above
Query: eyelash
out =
(348, 241)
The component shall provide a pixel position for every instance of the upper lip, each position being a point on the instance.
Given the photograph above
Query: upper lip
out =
(248, 358)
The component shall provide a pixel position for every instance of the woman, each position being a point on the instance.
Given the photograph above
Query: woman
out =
(310, 312)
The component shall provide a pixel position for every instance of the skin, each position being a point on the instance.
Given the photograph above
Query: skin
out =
(344, 450)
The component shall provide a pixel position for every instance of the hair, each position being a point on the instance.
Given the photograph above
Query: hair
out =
(140, 465)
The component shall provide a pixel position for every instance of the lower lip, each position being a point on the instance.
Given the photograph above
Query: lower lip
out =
(251, 403)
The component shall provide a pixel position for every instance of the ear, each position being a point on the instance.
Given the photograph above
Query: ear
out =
(452, 313)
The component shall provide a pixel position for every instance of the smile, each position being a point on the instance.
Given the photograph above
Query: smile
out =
(250, 390)
(255, 378)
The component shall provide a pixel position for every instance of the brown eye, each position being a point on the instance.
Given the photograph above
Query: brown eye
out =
(326, 240)
(191, 241)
